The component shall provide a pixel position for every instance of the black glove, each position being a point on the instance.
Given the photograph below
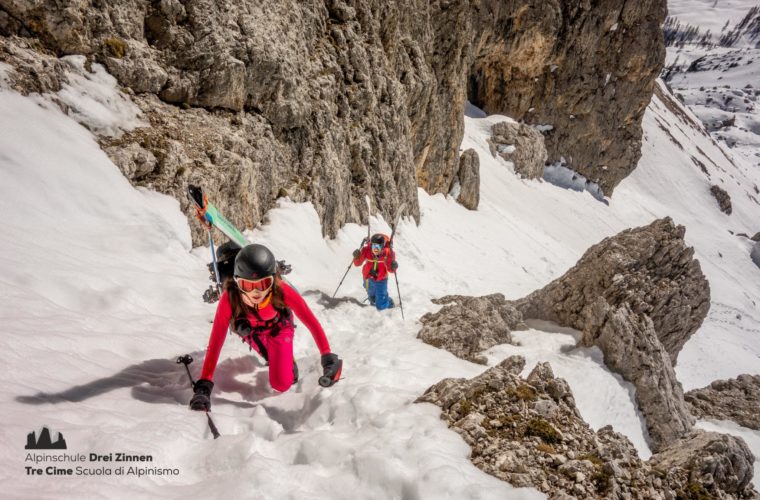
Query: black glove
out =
(357, 253)
(201, 400)
(394, 265)
(331, 366)
(329, 360)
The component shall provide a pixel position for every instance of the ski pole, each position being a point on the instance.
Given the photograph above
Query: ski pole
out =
(401, 304)
(216, 266)
(186, 360)
(347, 270)
(344, 277)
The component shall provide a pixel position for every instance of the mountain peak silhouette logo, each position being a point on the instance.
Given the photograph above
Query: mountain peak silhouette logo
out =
(44, 441)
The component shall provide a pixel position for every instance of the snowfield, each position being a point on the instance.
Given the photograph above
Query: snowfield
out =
(101, 292)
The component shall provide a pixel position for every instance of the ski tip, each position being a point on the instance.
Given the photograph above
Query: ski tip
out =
(195, 194)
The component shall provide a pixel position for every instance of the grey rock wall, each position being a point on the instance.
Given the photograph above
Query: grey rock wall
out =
(638, 296)
(327, 101)
(585, 68)
(735, 399)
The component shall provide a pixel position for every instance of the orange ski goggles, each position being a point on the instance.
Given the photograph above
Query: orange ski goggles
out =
(261, 285)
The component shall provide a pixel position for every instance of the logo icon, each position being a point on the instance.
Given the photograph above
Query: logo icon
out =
(44, 441)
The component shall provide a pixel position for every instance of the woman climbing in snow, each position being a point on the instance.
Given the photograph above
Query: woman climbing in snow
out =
(380, 260)
(258, 305)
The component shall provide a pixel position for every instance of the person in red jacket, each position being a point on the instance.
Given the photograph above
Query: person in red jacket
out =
(258, 305)
(380, 260)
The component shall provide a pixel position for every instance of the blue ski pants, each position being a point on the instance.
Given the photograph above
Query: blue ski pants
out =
(377, 291)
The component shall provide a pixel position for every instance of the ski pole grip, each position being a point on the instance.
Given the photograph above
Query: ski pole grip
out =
(184, 360)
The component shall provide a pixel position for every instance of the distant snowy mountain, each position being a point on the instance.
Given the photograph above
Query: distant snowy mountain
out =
(715, 18)
(713, 66)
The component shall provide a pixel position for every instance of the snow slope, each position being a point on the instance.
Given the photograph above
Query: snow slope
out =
(710, 14)
(101, 292)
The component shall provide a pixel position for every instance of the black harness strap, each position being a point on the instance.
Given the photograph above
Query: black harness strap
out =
(247, 332)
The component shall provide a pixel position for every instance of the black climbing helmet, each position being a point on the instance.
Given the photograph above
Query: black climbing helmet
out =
(379, 239)
(254, 262)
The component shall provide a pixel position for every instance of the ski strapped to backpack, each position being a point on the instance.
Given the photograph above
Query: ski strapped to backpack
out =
(394, 226)
(206, 211)
(223, 258)
(365, 240)
(396, 219)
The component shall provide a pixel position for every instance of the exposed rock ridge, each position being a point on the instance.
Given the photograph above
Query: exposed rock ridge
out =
(736, 399)
(529, 432)
(327, 101)
(638, 296)
(649, 268)
(467, 326)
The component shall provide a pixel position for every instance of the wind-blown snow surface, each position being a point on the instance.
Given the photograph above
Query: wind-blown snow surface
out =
(100, 293)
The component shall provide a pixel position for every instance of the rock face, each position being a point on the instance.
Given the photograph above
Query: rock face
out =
(466, 326)
(587, 69)
(469, 179)
(648, 268)
(756, 237)
(520, 144)
(719, 461)
(735, 399)
(529, 432)
(724, 200)
(638, 296)
(326, 100)
(632, 349)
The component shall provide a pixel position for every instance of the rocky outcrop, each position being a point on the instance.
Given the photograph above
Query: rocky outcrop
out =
(334, 100)
(520, 144)
(755, 254)
(719, 463)
(638, 296)
(735, 399)
(586, 69)
(529, 432)
(34, 70)
(467, 326)
(756, 237)
(723, 199)
(469, 180)
(648, 268)
(632, 349)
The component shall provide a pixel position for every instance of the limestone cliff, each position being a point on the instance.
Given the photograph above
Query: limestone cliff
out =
(326, 100)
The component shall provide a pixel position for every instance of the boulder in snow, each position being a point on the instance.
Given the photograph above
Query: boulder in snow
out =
(530, 433)
(521, 145)
(469, 179)
(724, 200)
(720, 463)
(466, 326)
(736, 399)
